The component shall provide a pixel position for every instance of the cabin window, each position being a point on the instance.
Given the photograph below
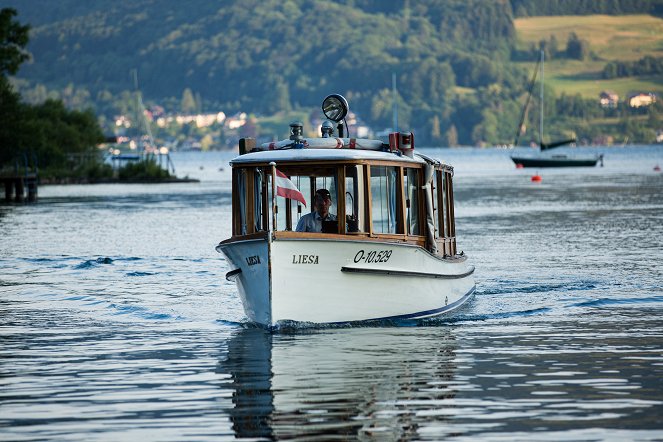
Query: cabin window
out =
(288, 211)
(297, 209)
(327, 182)
(258, 186)
(411, 184)
(278, 212)
(436, 205)
(383, 199)
(445, 212)
(241, 195)
(449, 193)
(355, 199)
(442, 203)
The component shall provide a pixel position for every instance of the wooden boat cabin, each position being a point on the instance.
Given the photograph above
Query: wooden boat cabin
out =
(384, 196)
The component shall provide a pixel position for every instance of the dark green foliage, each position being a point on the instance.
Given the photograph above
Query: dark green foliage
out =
(145, 170)
(576, 48)
(51, 134)
(645, 66)
(9, 120)
(265, 56)
(44, 135)
(531, 8)
(13, 39)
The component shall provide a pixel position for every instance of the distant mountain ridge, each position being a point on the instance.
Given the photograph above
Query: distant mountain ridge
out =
(272, 55)
(254, 52)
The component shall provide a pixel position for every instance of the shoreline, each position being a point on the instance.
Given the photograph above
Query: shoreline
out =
(66, 181)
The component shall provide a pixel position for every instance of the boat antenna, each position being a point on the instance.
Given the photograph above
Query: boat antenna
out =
(541, 113)
(529, 96)
(394, 102)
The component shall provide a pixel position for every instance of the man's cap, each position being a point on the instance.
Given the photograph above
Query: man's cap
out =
(323, 193)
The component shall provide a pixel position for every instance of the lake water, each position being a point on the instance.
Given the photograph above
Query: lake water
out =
(116, 322)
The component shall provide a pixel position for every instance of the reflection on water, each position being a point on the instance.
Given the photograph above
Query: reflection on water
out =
(312, 385)
(116, 322)
(376, 383)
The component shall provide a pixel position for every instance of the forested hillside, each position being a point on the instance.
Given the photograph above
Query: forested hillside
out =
(452, 58)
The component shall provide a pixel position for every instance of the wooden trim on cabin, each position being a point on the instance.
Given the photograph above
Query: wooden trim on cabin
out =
(340, 197)
(401, 201)
(333, 163)
(401, 237)
(422, 221)
(439, 195)
(234, 198)
(264, 203)
(369, 199)
(445, 245)
(414, 240)
(288, 212)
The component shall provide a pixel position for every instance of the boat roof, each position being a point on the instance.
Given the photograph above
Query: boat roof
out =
(305, 155)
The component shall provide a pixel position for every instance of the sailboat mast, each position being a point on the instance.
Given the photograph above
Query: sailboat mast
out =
(541, 112)
(141, 109)
(394, 103)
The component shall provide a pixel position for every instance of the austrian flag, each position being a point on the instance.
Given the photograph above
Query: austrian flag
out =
(287, 189)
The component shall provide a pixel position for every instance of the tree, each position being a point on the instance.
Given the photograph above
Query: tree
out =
(188, 103)
(47, 131)
(452, 136)
(575, 48)
(13, 39)
(435, 129)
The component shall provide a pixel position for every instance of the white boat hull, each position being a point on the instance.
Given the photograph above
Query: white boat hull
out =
(339, 281)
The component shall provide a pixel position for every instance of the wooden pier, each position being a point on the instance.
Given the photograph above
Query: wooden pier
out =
(20, 188)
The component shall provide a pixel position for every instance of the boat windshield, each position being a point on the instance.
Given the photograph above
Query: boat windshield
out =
(376, 200)
(300, 199)
(384, 201)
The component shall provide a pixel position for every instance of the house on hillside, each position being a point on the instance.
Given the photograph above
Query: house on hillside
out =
(608, 99)
(641, 99)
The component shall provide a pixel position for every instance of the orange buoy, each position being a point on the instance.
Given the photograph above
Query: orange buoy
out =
(536, 178)
(657, 168)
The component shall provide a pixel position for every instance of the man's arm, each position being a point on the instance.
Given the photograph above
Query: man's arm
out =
(301, 224)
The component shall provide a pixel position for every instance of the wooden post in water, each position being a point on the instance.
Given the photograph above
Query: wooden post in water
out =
(32, 189)
(15, 187)
(9, 189)
(20, 190)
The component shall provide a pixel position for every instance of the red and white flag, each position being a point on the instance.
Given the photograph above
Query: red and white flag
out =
(287, 189)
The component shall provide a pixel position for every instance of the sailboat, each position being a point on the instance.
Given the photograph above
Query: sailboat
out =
(544, 157)
(147, 148)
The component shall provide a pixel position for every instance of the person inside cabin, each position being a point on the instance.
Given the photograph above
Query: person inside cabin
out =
(312, 222)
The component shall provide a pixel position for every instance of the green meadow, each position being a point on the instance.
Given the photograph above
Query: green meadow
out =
(611, 38)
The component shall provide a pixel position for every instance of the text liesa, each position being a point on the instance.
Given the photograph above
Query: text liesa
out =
(304, 259)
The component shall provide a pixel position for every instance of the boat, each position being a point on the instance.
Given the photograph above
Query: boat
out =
(545, 157)
(393, 257)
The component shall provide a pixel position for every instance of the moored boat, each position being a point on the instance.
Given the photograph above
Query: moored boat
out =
(543, 157)
(393, 255)
(546, 159)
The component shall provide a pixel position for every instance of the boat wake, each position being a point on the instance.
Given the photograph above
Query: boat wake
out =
(504, 287)
(605, 302)
(94, 262)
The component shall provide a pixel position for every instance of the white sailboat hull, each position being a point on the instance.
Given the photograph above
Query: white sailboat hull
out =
(340, 281)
